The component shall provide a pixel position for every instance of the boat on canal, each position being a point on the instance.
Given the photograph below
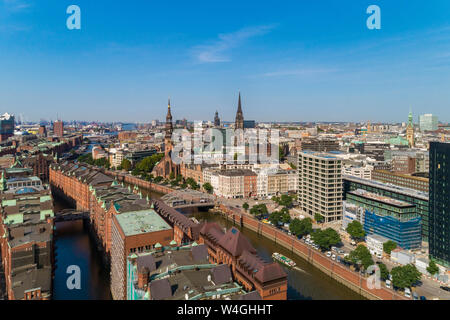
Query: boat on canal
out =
(283, 259)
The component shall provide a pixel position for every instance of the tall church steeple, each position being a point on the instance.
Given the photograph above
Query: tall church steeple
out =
(169, 130)
(216, 119)
(410, 130)
(239, 116)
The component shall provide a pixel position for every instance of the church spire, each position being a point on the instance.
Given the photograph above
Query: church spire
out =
(169, 129)
(239, 116)
(216, 119)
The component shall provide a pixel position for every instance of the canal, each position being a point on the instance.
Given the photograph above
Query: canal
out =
(74, 246)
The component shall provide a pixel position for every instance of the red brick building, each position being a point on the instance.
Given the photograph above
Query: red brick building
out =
(232, 248)
(58, 128)
(26, 241)
(134, 232)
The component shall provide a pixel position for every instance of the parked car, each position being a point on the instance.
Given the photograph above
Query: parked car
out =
(333, 257)
(445, 288)
(415, 296)
(407, 293)
(423, 298)
(329, 254)
(388, 283)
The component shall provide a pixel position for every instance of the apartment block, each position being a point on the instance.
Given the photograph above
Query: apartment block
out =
(320, 184)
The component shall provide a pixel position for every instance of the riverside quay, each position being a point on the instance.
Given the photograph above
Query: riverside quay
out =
(126, 223)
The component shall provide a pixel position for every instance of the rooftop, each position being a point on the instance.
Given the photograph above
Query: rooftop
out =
(382, 199)
(318, 154)
(139, 222)
(391, 188)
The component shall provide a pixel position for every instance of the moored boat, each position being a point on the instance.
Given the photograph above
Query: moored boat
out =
(283, 259)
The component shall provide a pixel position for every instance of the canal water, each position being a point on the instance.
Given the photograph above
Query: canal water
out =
(74, 246)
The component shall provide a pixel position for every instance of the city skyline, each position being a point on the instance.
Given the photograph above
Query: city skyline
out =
(312, 64)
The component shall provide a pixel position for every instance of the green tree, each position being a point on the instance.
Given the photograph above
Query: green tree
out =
(258, 210)
(301, 227)
(388, 246)
(285, 201)
(192, 183)
(432, 268)
(172, 176)
(86, 158)
(275, 218)
(245, 206)
(384, 272)
(326, 238)
(148, 163)
(158, 179)
(405, 276)
(126, 164)
(208, 187)
(318, 217)
(280, 153)
(361, 257)
(355, 230)
(285, 217)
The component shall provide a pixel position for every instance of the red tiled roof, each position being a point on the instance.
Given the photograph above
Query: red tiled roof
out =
(270, 272)
(235, 243)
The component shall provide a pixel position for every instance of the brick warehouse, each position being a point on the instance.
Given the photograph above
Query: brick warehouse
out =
(26, 240)
(233, 248)
(134, 232)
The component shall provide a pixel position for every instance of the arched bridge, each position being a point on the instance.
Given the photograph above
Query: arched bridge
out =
(70, 215)
(188, 199)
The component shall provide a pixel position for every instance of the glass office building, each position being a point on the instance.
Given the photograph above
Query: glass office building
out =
(394, 219)
(419, 199)
(440, 202)
(428, 122)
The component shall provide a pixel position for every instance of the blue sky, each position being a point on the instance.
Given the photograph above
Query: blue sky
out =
(292, 60)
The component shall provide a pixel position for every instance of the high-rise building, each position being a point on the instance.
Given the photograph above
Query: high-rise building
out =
(439, 236)
(394, 219)
(249, 124)
(428, 122)
(320, 184)
(42, 130)
(319, 144)
(419, 199)
(6, 126)
(58, 128)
